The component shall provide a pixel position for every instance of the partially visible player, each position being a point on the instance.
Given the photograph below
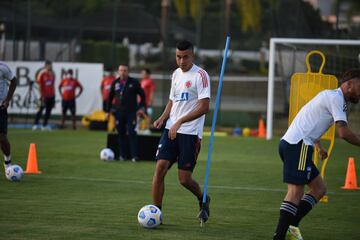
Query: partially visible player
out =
(184, 116)
(46, 81)
(105, 87)
(6, 93)
(297, 145)
(148, 86)
(67, 89)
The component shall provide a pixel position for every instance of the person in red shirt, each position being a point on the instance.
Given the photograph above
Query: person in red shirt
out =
(67, 89)
(105, 87)
(148, 86)
(46, 81)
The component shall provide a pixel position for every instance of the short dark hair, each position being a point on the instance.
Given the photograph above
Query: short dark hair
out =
(48, 62)
(185, 45)
(70, 71)
(350, 74)
(147, 71)
(124, 64)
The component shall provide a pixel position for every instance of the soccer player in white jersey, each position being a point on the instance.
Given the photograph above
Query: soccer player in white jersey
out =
(184, 116)
(6, 93)
(297, 145)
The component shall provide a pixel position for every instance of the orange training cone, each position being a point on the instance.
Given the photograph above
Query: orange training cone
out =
(32, 166)
(262, 131)
(350, 181)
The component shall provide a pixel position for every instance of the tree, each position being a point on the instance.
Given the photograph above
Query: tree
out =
(250, 13)
(194, 7)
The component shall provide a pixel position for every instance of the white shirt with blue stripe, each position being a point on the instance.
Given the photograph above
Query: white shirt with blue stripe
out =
(316, 117)
(186, 89)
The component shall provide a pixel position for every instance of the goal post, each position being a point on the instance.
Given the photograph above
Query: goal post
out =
(274, 43)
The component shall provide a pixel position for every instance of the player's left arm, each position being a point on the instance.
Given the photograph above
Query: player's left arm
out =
(12, 87)
(80, 89)
(322, 152)
(345, 133)
(142, 103)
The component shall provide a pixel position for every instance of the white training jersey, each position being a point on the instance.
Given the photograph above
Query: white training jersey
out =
(186, 89)
(316, 117)
(5, 76)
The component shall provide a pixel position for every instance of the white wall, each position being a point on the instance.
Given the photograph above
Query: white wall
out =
(89, 75)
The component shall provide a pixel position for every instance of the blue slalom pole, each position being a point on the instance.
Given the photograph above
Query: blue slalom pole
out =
(218, 95)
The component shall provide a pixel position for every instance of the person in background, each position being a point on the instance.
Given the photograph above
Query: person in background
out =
(46, 82)
(124, 91)
(67, 89)
(148, 86)
(105, 87)
(6, 93)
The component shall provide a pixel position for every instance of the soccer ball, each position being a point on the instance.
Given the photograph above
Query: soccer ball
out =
(14, 173)
(149, 216)
(107, 154)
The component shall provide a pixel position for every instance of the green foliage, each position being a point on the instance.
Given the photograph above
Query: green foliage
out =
(104, 52)
(296, 18)
(189, 7)
(250, 13)
(71, 7)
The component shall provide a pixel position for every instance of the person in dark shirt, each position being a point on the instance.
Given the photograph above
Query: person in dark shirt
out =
(46, 81)
(125, 90)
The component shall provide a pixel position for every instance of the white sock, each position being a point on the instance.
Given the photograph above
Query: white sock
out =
(7, 159)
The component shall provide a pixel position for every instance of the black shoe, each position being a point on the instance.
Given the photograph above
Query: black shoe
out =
(204, 213)
(207, 205)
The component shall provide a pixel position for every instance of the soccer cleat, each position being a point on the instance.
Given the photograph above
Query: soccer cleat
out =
(35, 127)
(46, 128)
(293, 233)
(204, 213)
(6, 166)
(135, 159)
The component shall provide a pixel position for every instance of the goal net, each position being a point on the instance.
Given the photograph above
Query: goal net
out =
(288, 56)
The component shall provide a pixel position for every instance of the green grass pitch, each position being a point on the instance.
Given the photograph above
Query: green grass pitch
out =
(80, 197)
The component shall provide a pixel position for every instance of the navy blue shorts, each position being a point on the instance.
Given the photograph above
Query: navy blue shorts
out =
(48, 102)
(184, 149)
(3, 120)
(68, 105)
(299, 167)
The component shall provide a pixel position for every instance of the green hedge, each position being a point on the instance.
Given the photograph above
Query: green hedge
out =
(104, 52)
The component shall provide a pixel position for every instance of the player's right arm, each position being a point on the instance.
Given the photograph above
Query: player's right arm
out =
(102, 88)
(345, 133)
(39, 82)
(12, 87)
(60, 86)
(109, 101)
(111, 96)
(165, 115)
